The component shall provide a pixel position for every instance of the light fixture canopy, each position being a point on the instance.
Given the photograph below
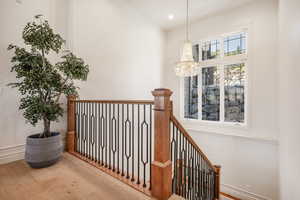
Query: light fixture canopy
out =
(187, 65)
(171, 16)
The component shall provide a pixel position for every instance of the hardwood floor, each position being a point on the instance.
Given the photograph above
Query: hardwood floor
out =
(69, 179)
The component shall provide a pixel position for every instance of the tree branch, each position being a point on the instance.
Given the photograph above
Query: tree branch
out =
(63, 85)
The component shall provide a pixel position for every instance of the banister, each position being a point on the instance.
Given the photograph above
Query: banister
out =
(190, 139)
(126, 122)
(116, 101)
(109, 133)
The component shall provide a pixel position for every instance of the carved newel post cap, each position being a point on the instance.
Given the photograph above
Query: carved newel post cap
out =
(162, 92)
(162, 99)
(218, 168)
(71, 97)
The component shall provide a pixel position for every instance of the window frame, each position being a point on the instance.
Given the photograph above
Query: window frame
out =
(220, 62)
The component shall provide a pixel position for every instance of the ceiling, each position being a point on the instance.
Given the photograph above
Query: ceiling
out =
(159, 10)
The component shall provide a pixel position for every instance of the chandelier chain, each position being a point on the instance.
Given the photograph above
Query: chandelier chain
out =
(187, 20)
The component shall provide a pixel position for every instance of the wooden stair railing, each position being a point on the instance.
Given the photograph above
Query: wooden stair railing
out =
(115, 136)
(131, 140)
(194, 176)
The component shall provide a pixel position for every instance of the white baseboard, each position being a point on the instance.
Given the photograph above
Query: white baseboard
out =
(12, 153)
(241, 193)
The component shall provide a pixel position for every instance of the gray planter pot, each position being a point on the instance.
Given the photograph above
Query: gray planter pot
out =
(43, 152)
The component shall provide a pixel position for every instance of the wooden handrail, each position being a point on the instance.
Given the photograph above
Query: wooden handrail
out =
(116, 101)
(193, 143)
(161, 112)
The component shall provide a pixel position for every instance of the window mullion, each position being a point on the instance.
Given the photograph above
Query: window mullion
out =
(200, 94)
(222, 93)
(222, 89)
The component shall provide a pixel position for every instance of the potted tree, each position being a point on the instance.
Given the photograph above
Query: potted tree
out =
(42, 84)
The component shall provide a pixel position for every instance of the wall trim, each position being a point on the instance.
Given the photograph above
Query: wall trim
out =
(242, 193)
(17, 152)
(12, 153)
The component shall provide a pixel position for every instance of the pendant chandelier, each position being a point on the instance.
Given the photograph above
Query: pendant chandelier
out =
(187, 65)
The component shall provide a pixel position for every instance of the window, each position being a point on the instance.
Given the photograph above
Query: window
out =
(210, 94)
(218, 92)
(234, 88)
(210, 49)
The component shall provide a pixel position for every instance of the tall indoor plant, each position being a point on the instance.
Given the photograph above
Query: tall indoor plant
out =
(42, 84)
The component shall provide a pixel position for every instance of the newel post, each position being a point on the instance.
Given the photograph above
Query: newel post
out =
(161, 170)
(217, 182)
(71, 124)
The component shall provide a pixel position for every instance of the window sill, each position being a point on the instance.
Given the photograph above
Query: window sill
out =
(225, 129)
(215, 123)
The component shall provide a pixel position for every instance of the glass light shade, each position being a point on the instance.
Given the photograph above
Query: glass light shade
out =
(187, 65)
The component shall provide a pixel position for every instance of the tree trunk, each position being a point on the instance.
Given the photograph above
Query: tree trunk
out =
(46, 132)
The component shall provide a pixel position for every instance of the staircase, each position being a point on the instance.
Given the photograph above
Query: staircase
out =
(142, 144)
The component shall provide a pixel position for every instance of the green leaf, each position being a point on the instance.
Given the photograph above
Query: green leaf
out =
(40, 83)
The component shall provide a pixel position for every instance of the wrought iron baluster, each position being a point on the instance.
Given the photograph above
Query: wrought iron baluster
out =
(139, 147)
(76, 126)
(82, 128)
(205, 182)
(202, 177)
(114, 138)
(118, 145)
(144, 139)
(105, 136)
(86, 130)
(102, 136)
(185, 167)
(109, 135)
(181, 161)
(128, 133)
(199, 176)
(176, 159)
(189, 171)
(214, 188)
(132, 129)
(210, 184)
(193, 178)
(89, 131)
(99, 133)
(173, 157)
(94, 131)
(150, 151)
(123, 142)
(194, 173)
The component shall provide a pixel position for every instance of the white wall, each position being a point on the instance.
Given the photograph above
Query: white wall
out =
(124, 51)
(125, 54)
(13, 18)
(289, 98)
(250, 166)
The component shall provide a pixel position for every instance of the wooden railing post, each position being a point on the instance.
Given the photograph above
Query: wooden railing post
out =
(161, 170)
(71, 124)
(217, 182)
